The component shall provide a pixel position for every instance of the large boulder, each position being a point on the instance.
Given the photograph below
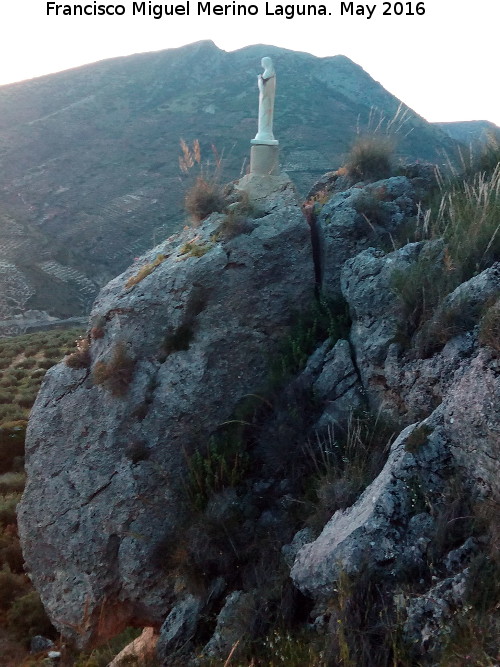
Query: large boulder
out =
(176, 342)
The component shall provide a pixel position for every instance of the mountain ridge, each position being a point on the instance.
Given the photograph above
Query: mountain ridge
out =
(93, 151)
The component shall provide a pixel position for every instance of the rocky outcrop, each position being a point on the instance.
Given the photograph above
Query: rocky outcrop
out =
(396, 379)
(428, 616)
(402, 523)
(234, 622)
(338, 387)
(386, 529)
(471, 413)
(379, 315)
(357, 218)
(177, 341)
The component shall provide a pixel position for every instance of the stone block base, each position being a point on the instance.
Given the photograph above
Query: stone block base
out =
(264, 160)
(267, 192)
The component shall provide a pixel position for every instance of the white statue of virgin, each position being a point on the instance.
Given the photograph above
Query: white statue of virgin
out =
(267, 90)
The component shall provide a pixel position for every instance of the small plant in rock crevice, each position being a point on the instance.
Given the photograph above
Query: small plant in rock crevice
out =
(116, 374)
(206, 195)
(223, 465)
(194, 249)
(323, 320)
(417, 438)
(204, 198)
(144, 271)
(339, 464)
(81, 358)
(178, 340)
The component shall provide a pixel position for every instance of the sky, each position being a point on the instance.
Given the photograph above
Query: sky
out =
(440, 57)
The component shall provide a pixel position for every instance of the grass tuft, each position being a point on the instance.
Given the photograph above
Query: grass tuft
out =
(370, 158)
(81, 357)
(203, 198)
(115, 375)
(144, 271)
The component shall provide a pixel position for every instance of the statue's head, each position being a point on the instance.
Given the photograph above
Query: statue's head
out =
(268, 66)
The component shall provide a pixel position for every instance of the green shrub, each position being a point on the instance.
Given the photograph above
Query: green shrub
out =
(10, 551)
(45, 364)
(27, 363)
(5, 397)
(323, 320)
(18, 373)
(27, 618)
(8, 509)
(11, 412)
(11, 586)
(370, 158)
(12, 438)
(5, 362)
(52, 352)
(25, 399)
(12, 482)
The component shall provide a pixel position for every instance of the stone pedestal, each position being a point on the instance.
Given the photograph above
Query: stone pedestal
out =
(264, 159)
(268, 192)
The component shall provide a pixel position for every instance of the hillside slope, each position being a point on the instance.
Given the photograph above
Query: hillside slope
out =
(470, 132)
(89, 174)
